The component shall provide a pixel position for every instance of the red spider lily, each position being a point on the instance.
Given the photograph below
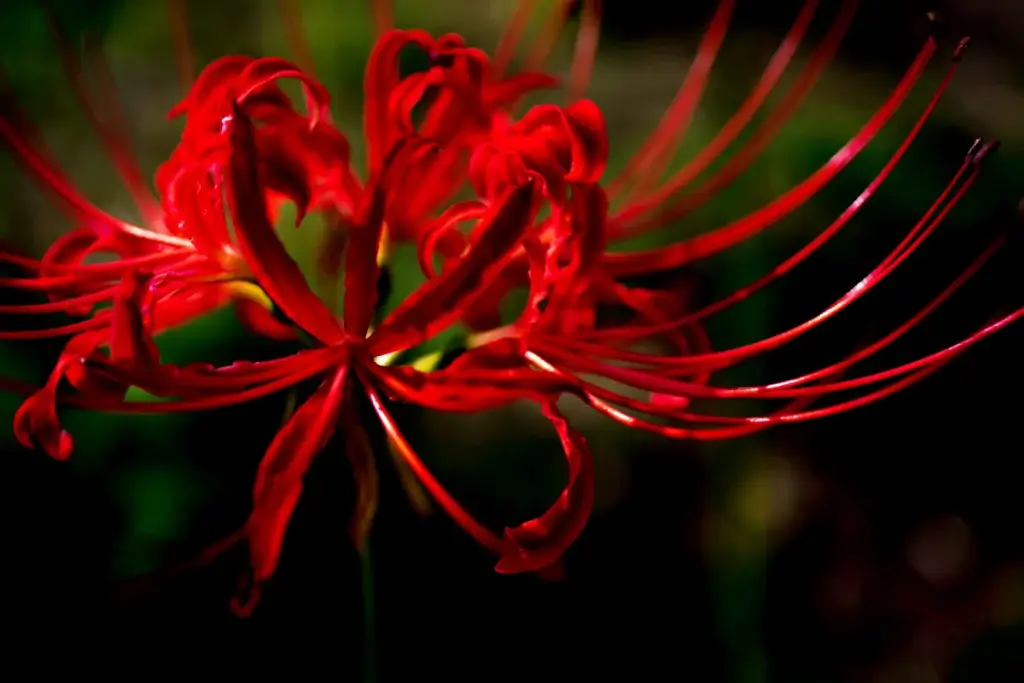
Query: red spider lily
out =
(246, 142)
(346, 352)
(242, 135)
(187, 256)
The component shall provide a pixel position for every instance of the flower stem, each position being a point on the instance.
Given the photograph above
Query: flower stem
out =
(369, 625)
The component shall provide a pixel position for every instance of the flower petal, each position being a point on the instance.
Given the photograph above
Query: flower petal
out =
(380, 81)
(275, 270)
(539, 542)
(36, 422)
(440, 301)
(361, 267)
(279, 480)
(130, 340)
(569, 264)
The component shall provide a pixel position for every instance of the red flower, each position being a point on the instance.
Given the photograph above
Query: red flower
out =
(246, 142)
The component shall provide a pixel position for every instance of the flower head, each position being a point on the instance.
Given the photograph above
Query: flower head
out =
(541, 218)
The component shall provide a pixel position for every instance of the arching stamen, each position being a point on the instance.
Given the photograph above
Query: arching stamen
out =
(60, 306)
(650, 160)
(383, 16)
(585, 52)
(708, 244)
(291, 18)
(790, 263)
(511, 37)
(721, 359)
(752, 104)
(96, 322)
(105, 114)
(177, 16)
(547, 36)
(459, 514)
(796, 387)
(630, 219)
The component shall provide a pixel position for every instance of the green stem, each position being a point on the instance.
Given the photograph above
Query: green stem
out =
(369, 626)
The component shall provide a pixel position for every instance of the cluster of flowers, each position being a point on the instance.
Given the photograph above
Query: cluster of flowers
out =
(541, 220)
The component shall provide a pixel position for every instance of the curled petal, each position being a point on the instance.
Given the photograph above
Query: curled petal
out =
(263, 72)
(563, 146)
(493, 170)
(36, 423)
(485, 311)
(308, 166)
(539, 542)
(442, 235)
(381, 79)
(214, 77)
(580, 128)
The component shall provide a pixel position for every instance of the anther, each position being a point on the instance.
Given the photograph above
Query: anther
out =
(961, 48)
(978, 157)
(975, 146)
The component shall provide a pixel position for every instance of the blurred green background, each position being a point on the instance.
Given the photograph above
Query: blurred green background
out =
(879, 546)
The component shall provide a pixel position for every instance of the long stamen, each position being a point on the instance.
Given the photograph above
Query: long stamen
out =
(794, 387)
(459, 514)
(601, 399)
(105, 115)
(649, 162)
(750, 106)
(915, 371)
(291, 16)
(383, 16)
(629, 218)
(16, 132)
(722, 359)
(547, 37)
(790, 263)
(738, 231)
(94, 323)
(511, 36)
(62, 305)
(111, 268)
(585, 52)
(177, 15)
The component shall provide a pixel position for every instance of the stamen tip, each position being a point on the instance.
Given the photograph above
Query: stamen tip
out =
(974, 147)
(961, 48)
(979, 154)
